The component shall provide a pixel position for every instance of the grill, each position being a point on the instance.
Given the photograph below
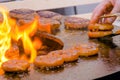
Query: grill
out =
(86, 68)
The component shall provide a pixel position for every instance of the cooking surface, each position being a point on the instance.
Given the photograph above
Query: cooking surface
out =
(106, 62)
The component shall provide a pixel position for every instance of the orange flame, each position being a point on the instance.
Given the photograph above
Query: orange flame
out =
(23, 33)
(9, 30)
(45, 27)
(5, 37)
(37, 43)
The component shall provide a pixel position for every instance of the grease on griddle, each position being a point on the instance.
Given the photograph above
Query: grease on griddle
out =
(107, 41)
(15, 75)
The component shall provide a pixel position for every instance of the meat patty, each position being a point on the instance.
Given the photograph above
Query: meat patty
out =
(48, 61)
(45, 24)
(12, 52)
(22, 13)
(100, 27)
(49, 25)
(99, 34)
(49, 14)
(15, 65)
(75, 23)
(68, 55)
(87, 49)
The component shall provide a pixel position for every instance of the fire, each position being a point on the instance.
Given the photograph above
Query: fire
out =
(45, 27)
(5, 37)
(24, 32)
(9, 30)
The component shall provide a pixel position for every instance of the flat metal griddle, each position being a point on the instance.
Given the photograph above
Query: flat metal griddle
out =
(106, 62)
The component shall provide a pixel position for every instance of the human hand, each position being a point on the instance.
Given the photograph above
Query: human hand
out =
(105, 7)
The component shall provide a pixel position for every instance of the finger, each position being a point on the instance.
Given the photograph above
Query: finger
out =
(100, 10)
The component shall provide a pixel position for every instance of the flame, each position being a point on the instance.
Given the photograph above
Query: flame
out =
(37, 43)
(24, 32)
(45, 27)
(5, 37)
(9, 30)
(29, 48)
